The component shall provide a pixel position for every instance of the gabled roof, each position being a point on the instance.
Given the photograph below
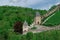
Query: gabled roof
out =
(37, 14)
(25, 23)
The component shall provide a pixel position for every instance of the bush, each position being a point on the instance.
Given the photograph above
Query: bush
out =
(33, 28)
(29, 35)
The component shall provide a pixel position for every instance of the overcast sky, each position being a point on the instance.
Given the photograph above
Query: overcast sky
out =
(35, 4)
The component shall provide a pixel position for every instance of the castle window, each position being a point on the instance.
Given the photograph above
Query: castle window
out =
(38, 22)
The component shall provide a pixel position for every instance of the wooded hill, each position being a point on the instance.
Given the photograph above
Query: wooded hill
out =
(10, 14)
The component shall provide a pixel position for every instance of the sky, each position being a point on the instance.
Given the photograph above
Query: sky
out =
(35, 4)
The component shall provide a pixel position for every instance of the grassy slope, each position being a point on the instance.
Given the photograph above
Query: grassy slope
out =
(47, 35)
(54, 20)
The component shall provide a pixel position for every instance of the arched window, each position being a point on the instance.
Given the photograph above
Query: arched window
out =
(38, 22)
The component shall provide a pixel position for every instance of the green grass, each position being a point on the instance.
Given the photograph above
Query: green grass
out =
(54, 20)
(46, 35)
(34, 28)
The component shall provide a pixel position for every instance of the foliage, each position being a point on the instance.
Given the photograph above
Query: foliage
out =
(10, 14)
(52, 7)
(18, 27)
(29, 35)
(47, 35)
(34, 28)
(54, 20)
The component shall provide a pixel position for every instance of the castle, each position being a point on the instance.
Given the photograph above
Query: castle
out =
(37, 21)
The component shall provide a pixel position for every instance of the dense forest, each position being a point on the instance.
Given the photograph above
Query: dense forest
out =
(10, 14)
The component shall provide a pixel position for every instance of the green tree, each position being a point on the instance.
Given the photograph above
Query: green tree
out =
(29, 36)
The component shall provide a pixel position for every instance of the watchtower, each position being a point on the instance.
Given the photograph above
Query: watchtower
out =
(37, 19)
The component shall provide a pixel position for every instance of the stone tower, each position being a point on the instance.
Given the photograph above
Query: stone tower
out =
(37, 19)
(25, 27)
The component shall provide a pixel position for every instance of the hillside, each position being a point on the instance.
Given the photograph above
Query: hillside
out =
(54, 20)
(10, 14)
